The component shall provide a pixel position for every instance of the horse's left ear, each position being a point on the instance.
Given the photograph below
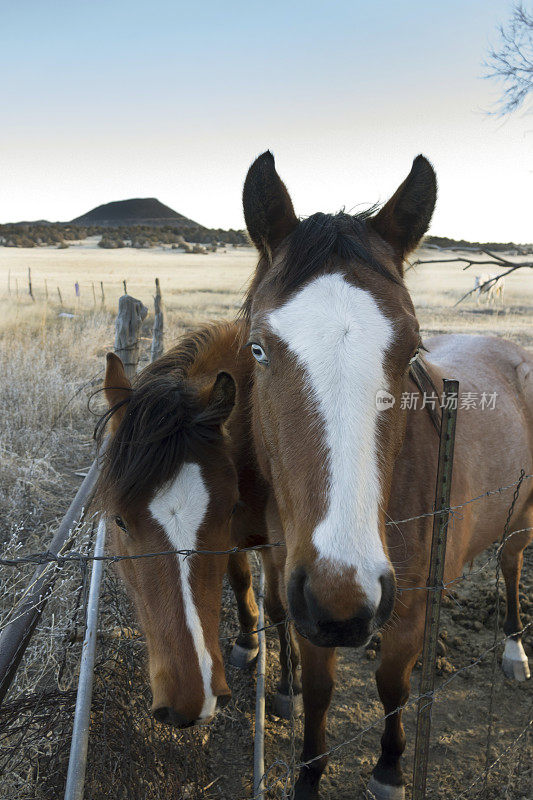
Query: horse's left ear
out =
(405, 218)
(221, 400)
(267, 205)
(117, 387)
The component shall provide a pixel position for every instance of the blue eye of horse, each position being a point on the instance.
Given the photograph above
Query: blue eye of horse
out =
(259, 354)
(121, 524)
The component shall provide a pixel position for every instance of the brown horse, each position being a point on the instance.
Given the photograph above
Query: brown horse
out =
(180, 474)
(333, 330)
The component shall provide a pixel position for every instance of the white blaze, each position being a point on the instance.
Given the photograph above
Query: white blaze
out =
(339, 335)
(180, 508)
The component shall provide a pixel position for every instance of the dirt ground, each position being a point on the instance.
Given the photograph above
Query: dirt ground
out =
(199, 287)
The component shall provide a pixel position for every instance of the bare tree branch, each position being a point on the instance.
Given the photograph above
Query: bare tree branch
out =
(512, 62)
(496, 261)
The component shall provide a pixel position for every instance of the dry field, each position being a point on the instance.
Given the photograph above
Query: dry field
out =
(49, 367)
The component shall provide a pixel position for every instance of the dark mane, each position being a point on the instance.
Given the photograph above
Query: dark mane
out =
(312, 245)
(164, 423)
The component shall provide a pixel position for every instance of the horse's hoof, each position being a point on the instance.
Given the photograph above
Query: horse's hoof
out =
(243, 657)
(383, 791)
(514, 663)
(282, 705)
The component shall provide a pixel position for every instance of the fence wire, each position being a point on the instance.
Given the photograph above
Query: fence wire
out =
(133, 756)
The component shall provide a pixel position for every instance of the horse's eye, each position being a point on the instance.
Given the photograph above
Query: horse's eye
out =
(415, 356)
(259, 354)
(121, 524)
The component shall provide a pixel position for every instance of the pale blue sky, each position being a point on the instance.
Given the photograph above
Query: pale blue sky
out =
(107, 100)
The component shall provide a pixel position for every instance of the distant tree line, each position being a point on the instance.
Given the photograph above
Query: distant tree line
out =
(501, 247)
(35, 234)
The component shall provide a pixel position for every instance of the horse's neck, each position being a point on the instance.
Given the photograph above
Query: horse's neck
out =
(413, 482)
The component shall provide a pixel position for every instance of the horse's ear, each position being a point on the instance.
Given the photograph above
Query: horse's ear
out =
(117, 387)
(221, 400)
(405, 218)
(268, 209)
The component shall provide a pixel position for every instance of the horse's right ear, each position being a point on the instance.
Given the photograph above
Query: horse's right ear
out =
(267, 205)
(220, 402)
(117, 387)
(405, 218)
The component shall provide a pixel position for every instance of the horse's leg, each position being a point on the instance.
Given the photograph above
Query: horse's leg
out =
(246, 646)
(400, 646)
(318, 681)
(515, 663)
(278, 615)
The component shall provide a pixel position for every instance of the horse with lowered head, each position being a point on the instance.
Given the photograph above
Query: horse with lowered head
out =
(332, 327)
(179, 474)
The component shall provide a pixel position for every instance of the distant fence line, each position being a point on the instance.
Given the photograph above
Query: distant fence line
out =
(69, 293)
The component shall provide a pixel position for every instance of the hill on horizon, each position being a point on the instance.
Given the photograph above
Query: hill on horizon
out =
(137, 211)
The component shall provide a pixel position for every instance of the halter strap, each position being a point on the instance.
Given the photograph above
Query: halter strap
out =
(422, 379)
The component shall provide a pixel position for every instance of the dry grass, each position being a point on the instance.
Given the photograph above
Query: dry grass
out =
(49, 367)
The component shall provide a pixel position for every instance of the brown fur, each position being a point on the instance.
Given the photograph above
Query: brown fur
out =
(145, 450)
(289, 441)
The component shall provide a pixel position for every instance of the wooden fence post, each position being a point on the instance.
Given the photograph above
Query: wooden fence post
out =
(125, 287)
(30, 290)
(46, 290)
(131, 313)
(157, 333)
(435, 586)
(102, 291)
(60, 298)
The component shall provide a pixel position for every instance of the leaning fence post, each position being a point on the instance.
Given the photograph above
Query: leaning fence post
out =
(157, 333)
(131, 313)
(80, 735)
(15, 636)
(435, 585)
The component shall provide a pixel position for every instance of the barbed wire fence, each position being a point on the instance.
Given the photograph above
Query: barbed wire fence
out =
(130, 754)
(43, 699)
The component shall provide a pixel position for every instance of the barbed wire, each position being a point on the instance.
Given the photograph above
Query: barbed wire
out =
(45, 557)
(289, 770)
(496, 761)
(412, 700)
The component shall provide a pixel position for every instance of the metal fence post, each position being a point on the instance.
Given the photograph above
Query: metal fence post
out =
(80, 735)
(259, 736)
(434, 585)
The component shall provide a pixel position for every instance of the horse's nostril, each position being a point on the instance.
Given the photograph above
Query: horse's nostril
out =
(388, 593)
(223, 700)
(296, 594)
(170, 717)
(162, 714)
(317, 623)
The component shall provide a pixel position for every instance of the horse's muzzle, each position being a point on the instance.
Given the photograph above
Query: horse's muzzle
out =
(315, 623)
(169, 716)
